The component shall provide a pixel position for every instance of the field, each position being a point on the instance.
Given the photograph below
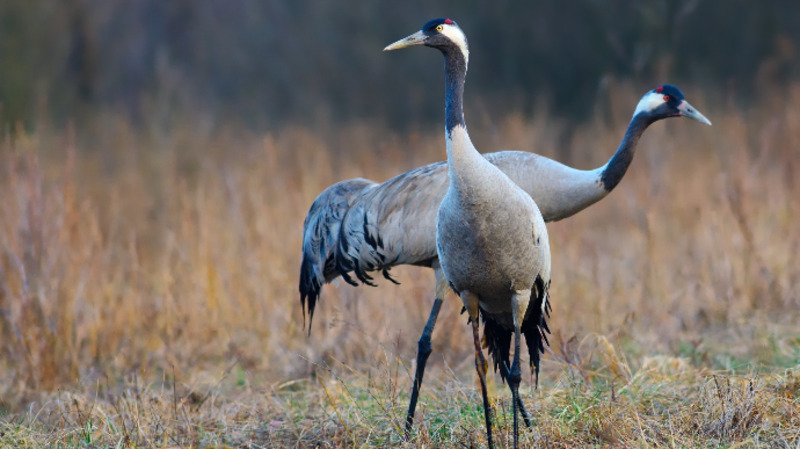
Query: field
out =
(148, 289)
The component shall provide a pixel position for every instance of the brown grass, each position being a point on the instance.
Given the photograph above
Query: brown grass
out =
(148, 290)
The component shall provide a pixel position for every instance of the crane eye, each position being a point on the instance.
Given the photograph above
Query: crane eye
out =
(666, 98)
(439, 28)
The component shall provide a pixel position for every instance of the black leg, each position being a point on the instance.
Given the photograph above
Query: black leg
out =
(424, 350)
(526, 417)
(514, 378)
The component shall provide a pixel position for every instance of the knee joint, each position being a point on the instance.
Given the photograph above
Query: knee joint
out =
(424, 347)
(515, 375)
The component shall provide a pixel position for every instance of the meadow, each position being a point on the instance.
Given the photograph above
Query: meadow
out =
(148, 289)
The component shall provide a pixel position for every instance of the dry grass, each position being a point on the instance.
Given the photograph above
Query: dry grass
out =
(148, 291)
(666, 403)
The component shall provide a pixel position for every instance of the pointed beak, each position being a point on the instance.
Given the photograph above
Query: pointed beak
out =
(689, 111)
(417, 38)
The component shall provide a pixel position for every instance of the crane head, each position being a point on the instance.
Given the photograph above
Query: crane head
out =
(667, 101)
(443, 34)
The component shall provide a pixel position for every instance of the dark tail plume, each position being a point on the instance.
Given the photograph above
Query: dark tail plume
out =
(497, 338)
(320, 239)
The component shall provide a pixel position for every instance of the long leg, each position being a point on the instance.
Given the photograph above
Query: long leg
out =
(514, 378)
(471, 302)
(519, 304)
(526, 417)
(424, 347)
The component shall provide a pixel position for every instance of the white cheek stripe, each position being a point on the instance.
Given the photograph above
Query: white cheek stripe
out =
(455, 34)
(650, 101)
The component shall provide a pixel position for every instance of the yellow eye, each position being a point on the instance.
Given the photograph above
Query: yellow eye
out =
(439, 28)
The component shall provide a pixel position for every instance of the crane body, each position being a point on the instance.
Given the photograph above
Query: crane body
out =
(358, 227)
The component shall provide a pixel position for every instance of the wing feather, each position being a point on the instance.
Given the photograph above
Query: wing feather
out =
(358, 226)
(320, 235)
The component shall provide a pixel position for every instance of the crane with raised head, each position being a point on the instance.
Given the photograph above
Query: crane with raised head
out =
(357, 226)
(491, 239)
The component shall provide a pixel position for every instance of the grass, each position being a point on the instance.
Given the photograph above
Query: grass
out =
(666, 403)
(148, 290)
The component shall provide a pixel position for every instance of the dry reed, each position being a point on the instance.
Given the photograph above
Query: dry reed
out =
(148, 290)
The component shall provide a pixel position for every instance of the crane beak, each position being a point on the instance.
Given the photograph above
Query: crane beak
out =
(689, 111)
(417, 38)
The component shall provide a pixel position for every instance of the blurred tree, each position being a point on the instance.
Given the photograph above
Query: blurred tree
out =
(272, 61)
(26, 56)
(81, 66)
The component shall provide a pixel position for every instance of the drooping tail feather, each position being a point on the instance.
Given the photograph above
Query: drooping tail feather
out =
(360, 245)
(357, 227)
(320, 240)
(392, 224)
(536, 329)
(497, 338)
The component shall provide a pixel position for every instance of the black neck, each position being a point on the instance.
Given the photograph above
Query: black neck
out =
(618, 164)
(455, 73)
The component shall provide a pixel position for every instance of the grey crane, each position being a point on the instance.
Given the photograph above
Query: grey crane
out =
(491, 239)
(359, 226)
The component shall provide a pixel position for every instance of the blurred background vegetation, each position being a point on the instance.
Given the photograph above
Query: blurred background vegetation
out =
(269, 63)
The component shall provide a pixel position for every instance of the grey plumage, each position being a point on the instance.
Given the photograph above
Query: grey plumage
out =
(393, 223)
(387, 226)
(491, 239)
(402, 210)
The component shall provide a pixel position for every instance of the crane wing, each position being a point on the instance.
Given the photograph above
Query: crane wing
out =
(392, 224)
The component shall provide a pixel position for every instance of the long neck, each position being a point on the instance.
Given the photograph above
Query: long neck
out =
(616, 167)
(455, 74)
(462, 157)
